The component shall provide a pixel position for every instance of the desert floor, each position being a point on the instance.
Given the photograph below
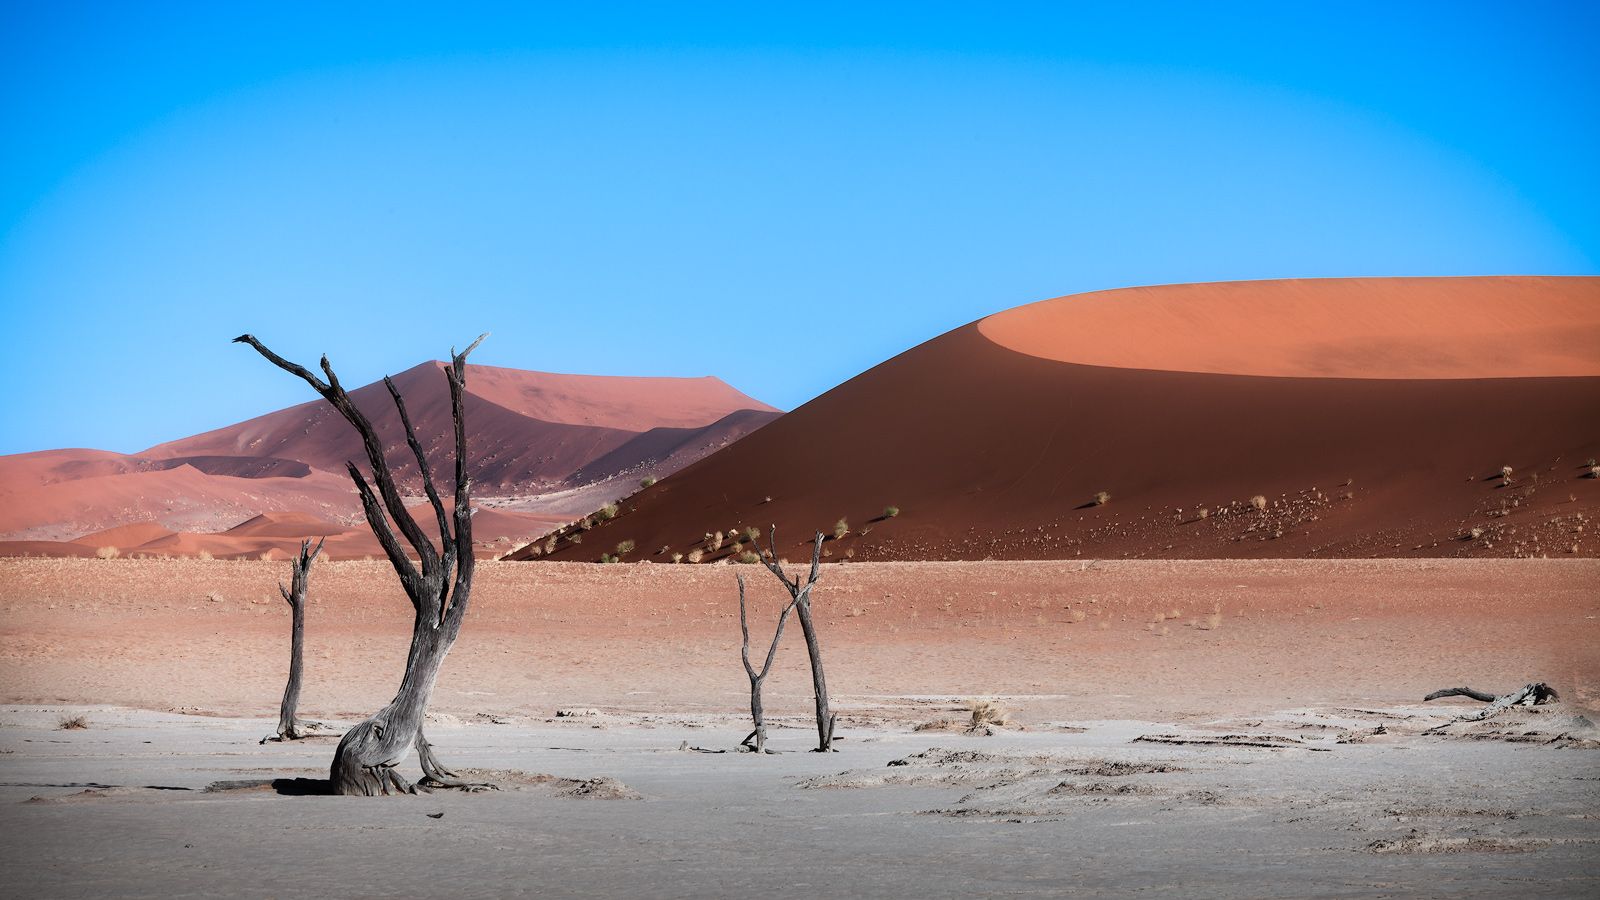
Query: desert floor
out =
(1283, 747)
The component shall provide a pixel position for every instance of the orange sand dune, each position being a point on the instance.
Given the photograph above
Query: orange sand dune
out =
(125, 536)
(1511, 327)
(989, 452)
(553, 439)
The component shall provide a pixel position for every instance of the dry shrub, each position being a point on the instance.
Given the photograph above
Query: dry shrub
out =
(71, 723)
(625, 547)
(647, 481)
(696, 555)
(735, 548)
(752, 534)
(108, 553)
(1505, 472)
(1205, 513)
(1594, 472)
(677, 557)
(890, 512)
(716, 542)
(1258, 501)
(1102, 498)
(988, 712)
(840, 529)
(748, 557)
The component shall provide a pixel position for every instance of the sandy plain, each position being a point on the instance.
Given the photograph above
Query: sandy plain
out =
(1264, 738)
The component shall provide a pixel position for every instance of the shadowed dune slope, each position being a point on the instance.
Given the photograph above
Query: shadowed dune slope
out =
(548, 447)
(991, 452)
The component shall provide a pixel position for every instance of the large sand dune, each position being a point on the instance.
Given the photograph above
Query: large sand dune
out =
(993, 440)
(546, 448)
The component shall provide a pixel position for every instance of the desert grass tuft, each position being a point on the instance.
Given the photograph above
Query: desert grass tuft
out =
(752, 534)
(890, 512)
(72, 723)
(1258, 501)
(1102, 498)
(108, 553)
(647, 481)
(749, 557)
(696, 555)
(625, 547)
(677, 557)
(840, 529)
(988, 712)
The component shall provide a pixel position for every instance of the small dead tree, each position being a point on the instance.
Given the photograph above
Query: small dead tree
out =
(802, 603)
(759, 735)
(367, 756)
(295, 594)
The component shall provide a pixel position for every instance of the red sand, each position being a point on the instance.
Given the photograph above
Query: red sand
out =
(992, 453)
(1064, 638)
(1512, 327)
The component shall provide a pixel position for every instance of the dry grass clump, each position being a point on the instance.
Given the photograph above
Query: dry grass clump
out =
(696, 555)
(890, 512)
(625, 547)
(840, 529)
(607, 512)
(988, 712)
(108, 553)
(72, 723)
(647, 481)
(1505, 472)
(749, 557)
(752, 534)
(1204, 513)
(677, 557)
(716, 541)
(1258, 501)
(1102, 498)
(1594, 472)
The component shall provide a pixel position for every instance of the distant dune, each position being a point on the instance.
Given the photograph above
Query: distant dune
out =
(1308, 418)
(545, 449)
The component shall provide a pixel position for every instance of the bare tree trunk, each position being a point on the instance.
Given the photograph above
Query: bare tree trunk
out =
(756, 679)
(802, 604)
(368, 754)
(296, 595)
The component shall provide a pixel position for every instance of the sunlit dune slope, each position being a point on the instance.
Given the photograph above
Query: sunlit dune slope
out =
(988, 451)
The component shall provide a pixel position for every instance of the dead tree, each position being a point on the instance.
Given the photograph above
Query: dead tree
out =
(295, 594)
(1535, 694)
(759, 735)
(802, 604)
(368, 754)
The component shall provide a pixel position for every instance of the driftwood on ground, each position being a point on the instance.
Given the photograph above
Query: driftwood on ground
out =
(1533, 694)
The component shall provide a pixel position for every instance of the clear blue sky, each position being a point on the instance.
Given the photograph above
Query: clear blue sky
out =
(778, 196)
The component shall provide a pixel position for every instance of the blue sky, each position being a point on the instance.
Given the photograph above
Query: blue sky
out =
(779, 196)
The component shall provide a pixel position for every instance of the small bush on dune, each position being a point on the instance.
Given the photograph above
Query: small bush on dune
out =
(1102, 498)
(607, 512)
(1258, 501)
(840, 529)
(890, 512)
(752, 534)
(108, 553)
(647, 481)
(625, 547)
(71, 723)
(716, 542)
(696, 555)
(677, 557)
(748, 557)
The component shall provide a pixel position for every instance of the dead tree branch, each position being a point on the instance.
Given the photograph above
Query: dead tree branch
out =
(1535, 694)
(759, 735)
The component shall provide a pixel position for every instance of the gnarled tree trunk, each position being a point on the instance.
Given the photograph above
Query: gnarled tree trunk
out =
(759, 735)
(295, 594)
(368, 754)
(802, 605)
